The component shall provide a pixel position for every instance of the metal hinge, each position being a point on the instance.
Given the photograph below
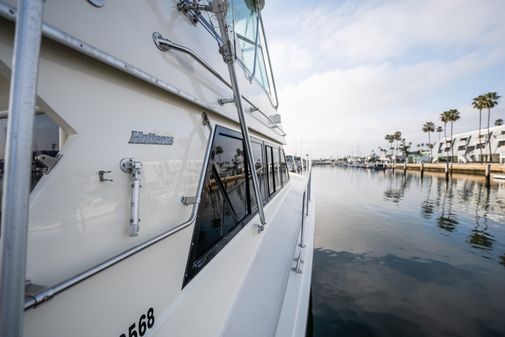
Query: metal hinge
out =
(191, 9)
(48, 161)
(189, 200)
(223, 101)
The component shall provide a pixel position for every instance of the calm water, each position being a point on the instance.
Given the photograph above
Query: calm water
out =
(401, 256)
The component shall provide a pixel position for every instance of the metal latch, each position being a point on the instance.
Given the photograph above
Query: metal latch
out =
(134, 168)
(48, 161)
(189, 200)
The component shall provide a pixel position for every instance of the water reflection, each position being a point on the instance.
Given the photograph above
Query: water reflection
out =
(390, 295)
(442, 197)
(401, 255)
(396, 188)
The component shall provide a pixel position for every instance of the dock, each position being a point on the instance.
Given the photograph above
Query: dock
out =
(480, 169)
(483, 169)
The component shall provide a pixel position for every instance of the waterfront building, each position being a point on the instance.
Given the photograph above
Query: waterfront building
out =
(422, 156)
(468, 148)
(392, 158)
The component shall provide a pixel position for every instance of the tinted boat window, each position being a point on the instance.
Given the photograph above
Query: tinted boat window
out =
(270, 171)
(257, 149)
(230, 166)
(284, 168)
(276, 168)
(224, 201)
(227, 200)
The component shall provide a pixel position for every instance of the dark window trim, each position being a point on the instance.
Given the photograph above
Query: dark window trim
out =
(283, 154)
(207, 256)
(265, 186)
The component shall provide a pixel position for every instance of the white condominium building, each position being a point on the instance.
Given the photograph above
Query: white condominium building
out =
(468, 148)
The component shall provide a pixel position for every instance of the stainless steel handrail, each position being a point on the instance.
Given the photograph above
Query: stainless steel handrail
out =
(165, 45)
(219, 8)
(65, 39)
(208, 27)
(18, 149)
(48, 293)
(304, 199)
(305, 212)
(305, 202)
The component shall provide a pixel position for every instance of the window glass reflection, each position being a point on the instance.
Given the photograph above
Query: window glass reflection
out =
(276, 168)
(257, 150)
(228, 200)
(270, 172)
(284, 168)
(224, 201)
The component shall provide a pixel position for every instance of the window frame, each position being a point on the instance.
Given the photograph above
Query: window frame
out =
(204, 258)
(283, 155)
(272, 91)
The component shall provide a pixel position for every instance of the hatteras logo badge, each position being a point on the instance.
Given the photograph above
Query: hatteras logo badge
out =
(138, 137)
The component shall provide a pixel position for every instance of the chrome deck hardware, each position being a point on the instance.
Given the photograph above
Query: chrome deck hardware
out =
(297, 269)
(101, 176)
(223, 101)
(166, 45)
(48, 161)
(189, 200)
(301, 244)
(134, 168)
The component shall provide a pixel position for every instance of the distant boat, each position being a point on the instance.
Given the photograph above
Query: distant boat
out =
(379, 166)
(498, 177)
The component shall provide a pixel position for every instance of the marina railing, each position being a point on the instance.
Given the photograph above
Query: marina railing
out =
(305, 212)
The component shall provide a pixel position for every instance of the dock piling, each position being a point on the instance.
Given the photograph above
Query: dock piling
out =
(487, 173)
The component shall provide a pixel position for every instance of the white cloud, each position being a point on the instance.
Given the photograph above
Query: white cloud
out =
(357, 106)
(350, 34)
(351, 72)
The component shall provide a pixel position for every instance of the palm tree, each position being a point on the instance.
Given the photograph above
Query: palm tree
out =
(389, 139)
(439, 130)
(491, 99)
(397, 136)
(219, 150)
(453, 115)
(498, 122)
(479, 103)
(429, 127)
(444, 117)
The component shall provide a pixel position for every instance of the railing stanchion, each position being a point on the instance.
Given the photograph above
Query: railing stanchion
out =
(219, 7)
(18, 159)
(303, 218)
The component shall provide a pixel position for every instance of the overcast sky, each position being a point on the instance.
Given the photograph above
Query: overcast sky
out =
(348, 72)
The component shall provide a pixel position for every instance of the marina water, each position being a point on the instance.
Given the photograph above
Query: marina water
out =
(405, 255)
